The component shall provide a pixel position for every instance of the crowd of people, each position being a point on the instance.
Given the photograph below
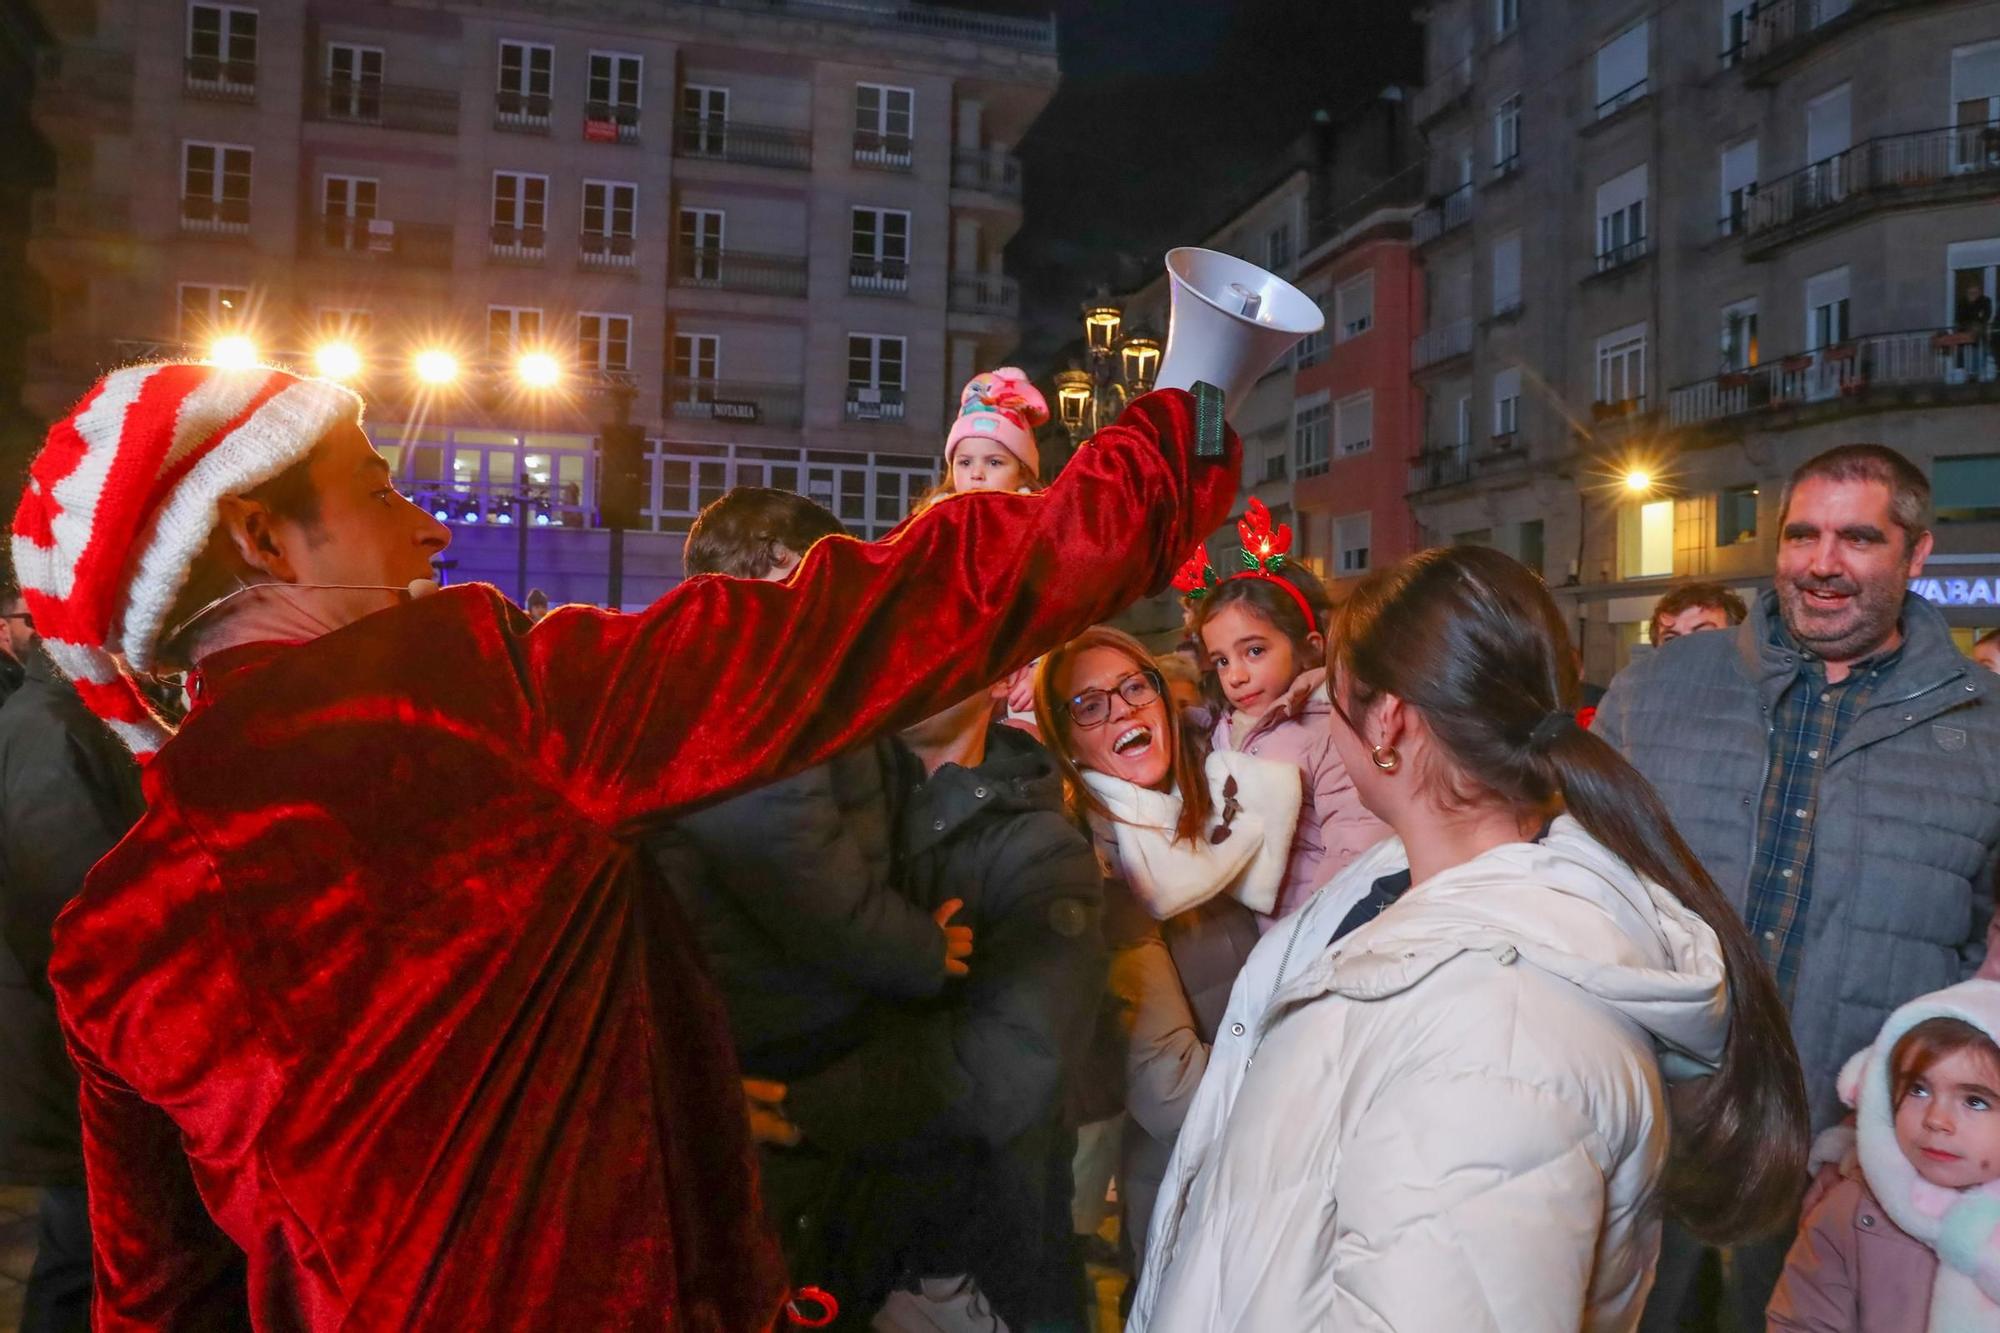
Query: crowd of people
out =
(868, 935)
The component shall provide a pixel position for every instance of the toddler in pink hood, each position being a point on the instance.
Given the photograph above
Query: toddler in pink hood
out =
(1914, 1244)
(1259, 632)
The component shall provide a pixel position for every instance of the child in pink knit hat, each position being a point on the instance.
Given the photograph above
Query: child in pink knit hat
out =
(991, 446)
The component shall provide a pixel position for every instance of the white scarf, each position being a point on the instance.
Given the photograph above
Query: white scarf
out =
(1170, 877)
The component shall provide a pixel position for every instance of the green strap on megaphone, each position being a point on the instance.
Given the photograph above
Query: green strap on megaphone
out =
(1207, 420)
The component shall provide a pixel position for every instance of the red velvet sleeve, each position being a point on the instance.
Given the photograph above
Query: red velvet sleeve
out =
(728, 683)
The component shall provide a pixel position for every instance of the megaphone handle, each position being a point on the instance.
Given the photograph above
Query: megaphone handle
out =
(1207, 420)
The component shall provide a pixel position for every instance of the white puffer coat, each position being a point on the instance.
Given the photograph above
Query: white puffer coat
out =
(1455, 1117)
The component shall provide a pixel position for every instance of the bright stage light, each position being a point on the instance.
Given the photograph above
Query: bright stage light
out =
(437, 368)
(538, 370)
(232, 352)
(337, 361)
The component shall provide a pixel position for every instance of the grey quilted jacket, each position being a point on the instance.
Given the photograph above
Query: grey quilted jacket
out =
(1909, 813)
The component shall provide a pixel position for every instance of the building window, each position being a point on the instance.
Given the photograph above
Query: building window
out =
(604, 342)
(1968, 489)
(1621, 368)
(1829, 134)
(1507, 136)
(1736, 17)
(520, 212)
(612, 90)
(207, 310)
(353, 82)
(1507, 274)
(1826, 310)
(1462, 422)
(697, 367)
(215, 187)
(1646, 539)
(1975, 100)
(875, 377)
(1530, 545)
(1973, 269)
(222, 48)
(1276, 467)
(884, 124)
(610, 214)
(1354, 424)
(1311, 425)
(1740, 350)
(879, 260)
(512, 330)
(1278, 248)
(1354, 307)
(1507, 402)
(1621, 219)
(704, 120)
(347, 207)
(1621, 70)
(1312, 348)
(527, 83)
(1736, 516)
(1351, 536)
(1506, 17)
(1739, 186)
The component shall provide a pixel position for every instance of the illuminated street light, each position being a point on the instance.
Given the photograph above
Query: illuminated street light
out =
(538, 370)
(437, 368)
(337, 361)
(232, 352)
(1638, 481)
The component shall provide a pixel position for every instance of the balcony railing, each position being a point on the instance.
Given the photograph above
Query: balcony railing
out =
(389, 105)
(607, 252)
(1929, 166)
(1507, 303)
(1623, 256)
(735, 402)
(990, 169)
(874, 404)
(381, 240)
(1621, 99)
(887, 152)
(721, 140)
(524, 113)
(1939, 359)
(1446, 214)
(518, 245)
(215, 217)
(71, 214)
(224, 80)
(1781, 30)
(878, 277)
(1434, 347)
(1447, 91)
(1441, 465)
(985, 294)
(939, 20)
(610, 122)
(740, 271)
(1507, 167)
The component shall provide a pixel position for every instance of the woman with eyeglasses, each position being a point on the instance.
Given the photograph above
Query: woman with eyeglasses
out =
(1191, 844)
(1441, 1099)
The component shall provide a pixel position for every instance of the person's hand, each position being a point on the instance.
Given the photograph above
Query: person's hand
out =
(957, 939)
(1021, 691)
(765, 1102)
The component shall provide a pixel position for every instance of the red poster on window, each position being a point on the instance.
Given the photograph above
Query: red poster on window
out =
(601, 131)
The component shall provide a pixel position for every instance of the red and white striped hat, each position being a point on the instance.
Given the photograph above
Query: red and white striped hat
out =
(122, 498)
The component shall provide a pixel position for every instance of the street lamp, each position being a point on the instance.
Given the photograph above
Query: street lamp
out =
(1638, 481)
(232, 352)
(1121, 369)
(1073, 393)
(538, 370)
(1140, 358)
(1100, 327)
(436, 367)
(337, 361)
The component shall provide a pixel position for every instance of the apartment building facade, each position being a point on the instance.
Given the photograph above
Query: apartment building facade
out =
(1672, 252)
(771, 234)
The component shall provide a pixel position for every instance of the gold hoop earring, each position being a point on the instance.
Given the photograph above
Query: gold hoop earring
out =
(1385, 757)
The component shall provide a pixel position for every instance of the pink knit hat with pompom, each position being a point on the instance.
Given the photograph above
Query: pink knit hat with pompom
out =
(1004, 407)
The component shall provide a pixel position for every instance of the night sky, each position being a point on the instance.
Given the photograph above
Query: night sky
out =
(1170, 114)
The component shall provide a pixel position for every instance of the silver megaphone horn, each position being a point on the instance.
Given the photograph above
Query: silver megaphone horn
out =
(1229, 321)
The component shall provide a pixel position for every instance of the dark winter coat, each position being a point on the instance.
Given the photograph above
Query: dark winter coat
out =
(68, 792)
(789, 891)
(938, 1146)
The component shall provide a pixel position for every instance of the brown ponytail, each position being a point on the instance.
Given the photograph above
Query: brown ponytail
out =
(1474, 643)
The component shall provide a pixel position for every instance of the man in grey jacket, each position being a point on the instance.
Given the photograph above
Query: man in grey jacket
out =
(1835, 764)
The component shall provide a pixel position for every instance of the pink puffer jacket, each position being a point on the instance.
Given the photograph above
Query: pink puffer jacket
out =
(1334, 827)
(1853, 1270)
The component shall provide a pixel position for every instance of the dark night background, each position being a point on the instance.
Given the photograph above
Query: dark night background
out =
(1170, 115)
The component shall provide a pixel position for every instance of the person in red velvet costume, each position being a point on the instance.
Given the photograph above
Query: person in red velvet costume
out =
(379, 1014)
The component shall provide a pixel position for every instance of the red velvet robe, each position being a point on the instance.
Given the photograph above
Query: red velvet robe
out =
(381, 967)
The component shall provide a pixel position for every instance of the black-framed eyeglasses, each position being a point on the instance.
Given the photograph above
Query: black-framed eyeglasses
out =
(1092, 708)
(24, 617)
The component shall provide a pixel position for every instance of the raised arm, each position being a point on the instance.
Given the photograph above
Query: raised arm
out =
(727, 683)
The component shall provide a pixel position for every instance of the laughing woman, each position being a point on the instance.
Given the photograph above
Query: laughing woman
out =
(1190, 845)
(1440, 1101)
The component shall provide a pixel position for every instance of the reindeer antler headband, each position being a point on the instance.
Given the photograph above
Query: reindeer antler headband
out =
(1263, 554)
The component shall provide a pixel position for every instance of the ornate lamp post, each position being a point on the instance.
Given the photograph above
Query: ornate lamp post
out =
(1121, 368)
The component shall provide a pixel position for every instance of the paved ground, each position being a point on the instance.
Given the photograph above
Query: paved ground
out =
(17, 1251)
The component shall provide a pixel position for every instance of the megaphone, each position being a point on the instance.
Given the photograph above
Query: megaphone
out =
(1229, 321)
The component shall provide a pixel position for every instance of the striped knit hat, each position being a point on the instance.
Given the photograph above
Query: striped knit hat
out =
(122, 498)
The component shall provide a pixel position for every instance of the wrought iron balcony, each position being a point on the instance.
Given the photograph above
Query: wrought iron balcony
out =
(1780, 31)
(524, 113)
(1621, 99)
(867, 403)
(392, 106)
(1446, 342)
(740, 271)
(735, 402)
(607, 252)
(874, 276)
(1447, 213)
(218, 79)
(610, 122)
(985, 294)
(518, 245)
(384, 241)
(1877, 366)
(718, 139)
(990, 169)
(1897, 170)
(215, 217)
(1622, 256)
(1438, 466)
(886, 152)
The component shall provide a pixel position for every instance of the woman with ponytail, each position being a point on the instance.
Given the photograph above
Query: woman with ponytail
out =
(1497, 1047)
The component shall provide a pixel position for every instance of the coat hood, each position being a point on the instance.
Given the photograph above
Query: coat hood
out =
(1016, 775)
(1566, 905)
